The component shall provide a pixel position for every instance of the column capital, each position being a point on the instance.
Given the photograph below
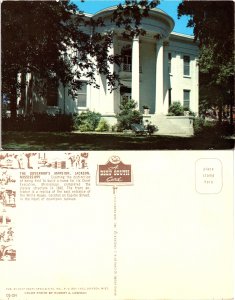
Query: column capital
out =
(165, 43)
(136, 38)
(159, 43)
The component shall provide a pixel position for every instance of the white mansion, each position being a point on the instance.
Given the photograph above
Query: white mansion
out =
(154, 72)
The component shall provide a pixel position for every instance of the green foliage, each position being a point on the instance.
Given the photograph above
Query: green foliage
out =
(38, 122)
(212, 128)
(151, 128)
(190, 112)
(213, 23)
(102, 126)
(127, 105)
(26, 39)
(145, 107)
(128, 114)
(198, 124)
(114, 128)
(176, 109)
(86, 121)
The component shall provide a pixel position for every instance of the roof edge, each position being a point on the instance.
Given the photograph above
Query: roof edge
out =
(153, 10)
(182, 36)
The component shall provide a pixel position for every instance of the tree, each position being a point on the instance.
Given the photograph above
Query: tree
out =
(128, 114)
(213, 23)
(50, 40)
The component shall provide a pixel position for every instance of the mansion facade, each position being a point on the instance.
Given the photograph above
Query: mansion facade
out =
(154, 72)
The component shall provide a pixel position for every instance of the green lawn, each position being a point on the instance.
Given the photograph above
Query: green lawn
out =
(94, 141)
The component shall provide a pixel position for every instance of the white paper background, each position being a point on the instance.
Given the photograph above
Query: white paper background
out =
(172, 242)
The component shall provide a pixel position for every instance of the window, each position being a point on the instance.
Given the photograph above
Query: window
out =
(169, 63)
(186, 65)
(125, 93)
(126, 59)
(52, 93)
(186, 98)
(82, 95)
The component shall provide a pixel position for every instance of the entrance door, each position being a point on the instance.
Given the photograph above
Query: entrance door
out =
(125, 92)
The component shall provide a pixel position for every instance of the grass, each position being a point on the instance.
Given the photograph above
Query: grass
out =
(99, 141)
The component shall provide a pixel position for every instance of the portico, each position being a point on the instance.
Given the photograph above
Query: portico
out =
(135, 74)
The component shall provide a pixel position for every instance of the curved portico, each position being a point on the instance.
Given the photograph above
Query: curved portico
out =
(158, 25)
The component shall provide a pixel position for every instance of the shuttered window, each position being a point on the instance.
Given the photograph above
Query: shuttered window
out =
(81, 98)
(186, 65)
(187, 98)
(169, 63)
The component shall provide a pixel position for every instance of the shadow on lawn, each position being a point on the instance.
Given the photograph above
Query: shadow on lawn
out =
(90, 141)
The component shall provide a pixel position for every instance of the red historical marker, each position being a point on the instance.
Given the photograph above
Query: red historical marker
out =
(114, 172)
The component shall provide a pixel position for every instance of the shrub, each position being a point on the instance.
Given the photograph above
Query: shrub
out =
(151, 128)
(86, 121)
(191, 113)
(128, 115)
(198, 125)
(102, 126)
(212, 128)
(176, 109)
(86, 127)
(114, 128)
(38, 122)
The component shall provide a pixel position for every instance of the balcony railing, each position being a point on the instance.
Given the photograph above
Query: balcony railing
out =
(128, 68)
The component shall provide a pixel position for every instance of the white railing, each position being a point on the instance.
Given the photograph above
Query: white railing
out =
(126, 67)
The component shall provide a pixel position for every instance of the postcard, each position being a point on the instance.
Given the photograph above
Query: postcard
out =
(116, 225)
(117, 161)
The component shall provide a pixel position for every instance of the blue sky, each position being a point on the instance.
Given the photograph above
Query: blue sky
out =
(169, 6)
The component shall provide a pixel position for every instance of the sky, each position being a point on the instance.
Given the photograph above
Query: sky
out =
(169, 6)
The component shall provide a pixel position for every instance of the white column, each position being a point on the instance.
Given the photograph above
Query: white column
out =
(195, 107)
(166, 80)
(135, 75)
(159, 78)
